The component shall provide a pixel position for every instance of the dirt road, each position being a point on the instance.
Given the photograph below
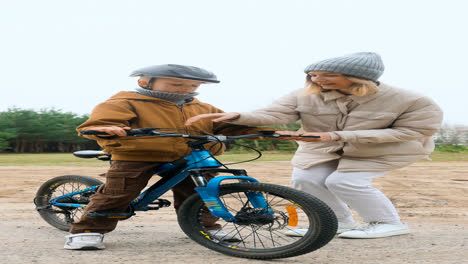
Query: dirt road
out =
(431, 197)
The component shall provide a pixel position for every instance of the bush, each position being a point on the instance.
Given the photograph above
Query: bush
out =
(452, 148)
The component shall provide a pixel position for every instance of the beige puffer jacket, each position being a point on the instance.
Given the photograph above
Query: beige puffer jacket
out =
(383, 131)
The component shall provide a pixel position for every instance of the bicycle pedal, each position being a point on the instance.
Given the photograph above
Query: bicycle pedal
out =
(161, 203)
(151, 208)
(110, 215)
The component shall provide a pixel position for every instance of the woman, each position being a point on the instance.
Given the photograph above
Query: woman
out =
(366, 130)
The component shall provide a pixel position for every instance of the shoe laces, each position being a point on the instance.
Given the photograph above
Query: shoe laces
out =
(371, 225)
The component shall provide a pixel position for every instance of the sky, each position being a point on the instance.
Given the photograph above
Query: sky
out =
(72, 55)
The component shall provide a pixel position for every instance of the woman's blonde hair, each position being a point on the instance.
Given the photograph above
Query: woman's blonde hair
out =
(360, 87)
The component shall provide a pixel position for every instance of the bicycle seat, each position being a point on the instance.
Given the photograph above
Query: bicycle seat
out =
(88, 154)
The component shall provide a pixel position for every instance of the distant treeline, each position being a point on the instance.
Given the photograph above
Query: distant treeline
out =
(50, 130)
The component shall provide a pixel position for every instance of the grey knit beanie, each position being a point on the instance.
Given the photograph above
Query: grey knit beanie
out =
(366, 65)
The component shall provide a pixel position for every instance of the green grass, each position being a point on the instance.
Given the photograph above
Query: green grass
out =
(67, 159)
(448, 156)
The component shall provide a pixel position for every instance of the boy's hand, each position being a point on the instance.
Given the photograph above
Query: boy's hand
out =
(112, 131)
(214, 117)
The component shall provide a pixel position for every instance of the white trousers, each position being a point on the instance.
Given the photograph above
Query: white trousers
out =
(342, 189)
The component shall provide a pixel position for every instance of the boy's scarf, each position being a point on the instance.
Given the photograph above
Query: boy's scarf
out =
(172, 97)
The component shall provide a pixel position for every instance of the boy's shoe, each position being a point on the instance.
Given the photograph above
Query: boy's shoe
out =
(299, 232)
(85, 241)
(377, 230)
(221, 235)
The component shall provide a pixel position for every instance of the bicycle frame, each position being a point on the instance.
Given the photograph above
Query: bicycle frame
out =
(195, 165)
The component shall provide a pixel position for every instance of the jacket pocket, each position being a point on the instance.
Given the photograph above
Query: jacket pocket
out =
(120, 181)
(382, 149)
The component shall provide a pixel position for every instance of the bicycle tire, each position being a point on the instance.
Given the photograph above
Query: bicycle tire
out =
(56, 216)
(321, 220)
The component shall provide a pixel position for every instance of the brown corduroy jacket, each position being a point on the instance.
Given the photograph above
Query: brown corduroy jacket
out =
(138, 111)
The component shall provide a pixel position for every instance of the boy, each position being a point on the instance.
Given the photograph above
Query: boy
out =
(164, 99)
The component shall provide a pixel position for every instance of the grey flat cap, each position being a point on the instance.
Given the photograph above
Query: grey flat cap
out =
(177, 71)
(366, 65)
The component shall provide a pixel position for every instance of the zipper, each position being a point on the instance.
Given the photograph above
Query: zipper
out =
(184, 118)
(181, 108)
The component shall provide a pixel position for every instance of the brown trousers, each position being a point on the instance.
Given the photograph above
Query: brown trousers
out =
(124, 182)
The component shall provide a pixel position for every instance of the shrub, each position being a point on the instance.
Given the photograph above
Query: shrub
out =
(452, 148)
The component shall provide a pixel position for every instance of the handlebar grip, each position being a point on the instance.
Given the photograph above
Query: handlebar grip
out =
(92, 132)
(130, 132)
(271, 133)
(280, 136)
(268, 132)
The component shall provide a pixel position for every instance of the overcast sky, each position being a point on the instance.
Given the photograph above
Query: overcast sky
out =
(72, 55)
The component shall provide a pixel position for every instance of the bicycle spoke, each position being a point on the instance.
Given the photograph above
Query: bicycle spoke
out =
(66, 188)
(255, 233)
(259, 230)
(257, 236)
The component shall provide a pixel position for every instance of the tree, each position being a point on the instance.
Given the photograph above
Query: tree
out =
(452, 134)
(269, 144)
(48, 130)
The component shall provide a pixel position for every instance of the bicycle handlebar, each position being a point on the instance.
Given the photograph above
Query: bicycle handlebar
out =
(149, 131)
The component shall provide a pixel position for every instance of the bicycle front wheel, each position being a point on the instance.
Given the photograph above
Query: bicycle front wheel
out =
(261, 233)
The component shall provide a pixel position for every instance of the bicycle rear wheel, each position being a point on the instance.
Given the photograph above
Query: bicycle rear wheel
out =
(62, 217)
(257, 233)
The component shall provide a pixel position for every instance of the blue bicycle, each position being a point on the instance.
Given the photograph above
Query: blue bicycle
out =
(258, 218)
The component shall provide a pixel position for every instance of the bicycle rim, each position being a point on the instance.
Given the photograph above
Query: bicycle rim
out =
(262, 232)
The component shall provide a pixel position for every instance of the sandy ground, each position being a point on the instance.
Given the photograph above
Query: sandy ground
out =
(431, 197)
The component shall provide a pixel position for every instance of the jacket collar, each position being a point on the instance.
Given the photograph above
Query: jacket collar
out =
(125, 95)
(333, 95)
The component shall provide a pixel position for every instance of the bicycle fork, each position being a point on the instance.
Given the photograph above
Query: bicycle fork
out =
(209, 192)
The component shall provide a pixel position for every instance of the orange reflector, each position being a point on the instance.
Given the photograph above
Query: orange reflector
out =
(292, 215)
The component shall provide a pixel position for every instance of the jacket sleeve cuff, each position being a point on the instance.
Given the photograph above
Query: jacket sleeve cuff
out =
(346, 136)
(334, 136)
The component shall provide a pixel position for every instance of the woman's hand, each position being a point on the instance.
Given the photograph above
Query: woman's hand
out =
(323, 136)
(293, 135)
(112, 131)
(214, 117)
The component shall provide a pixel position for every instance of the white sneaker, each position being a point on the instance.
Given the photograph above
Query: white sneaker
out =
(221, 235)
(298, 232)
(377, 230)
(347, 227)
(84, 241)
